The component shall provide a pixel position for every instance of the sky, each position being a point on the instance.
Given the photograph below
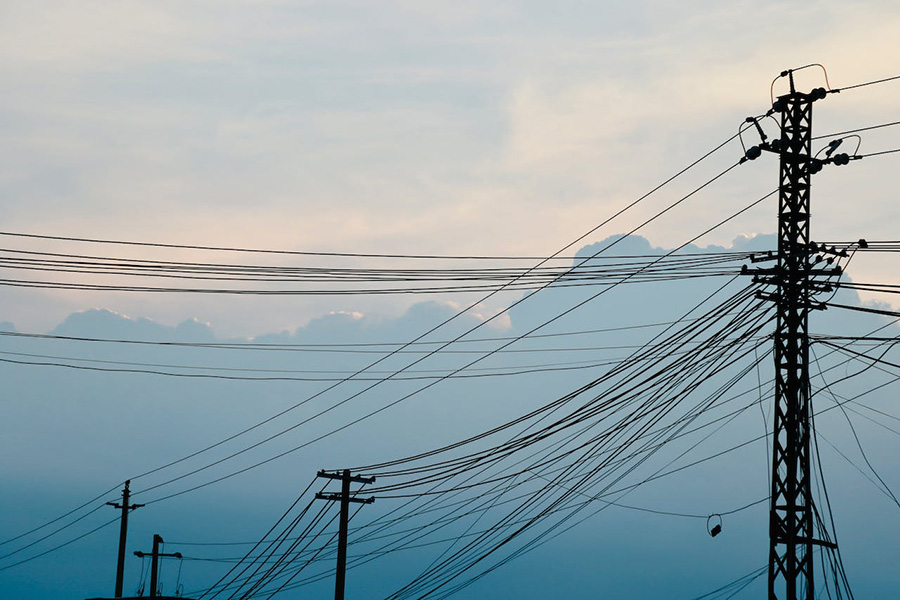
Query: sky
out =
(500, 128)
(491, 128)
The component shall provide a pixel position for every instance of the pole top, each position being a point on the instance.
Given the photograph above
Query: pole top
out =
(345, 474)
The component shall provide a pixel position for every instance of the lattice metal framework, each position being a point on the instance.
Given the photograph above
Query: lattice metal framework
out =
(791, 509)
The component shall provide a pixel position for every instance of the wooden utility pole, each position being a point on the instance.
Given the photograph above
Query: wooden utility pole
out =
(123, 535)
(345, 499)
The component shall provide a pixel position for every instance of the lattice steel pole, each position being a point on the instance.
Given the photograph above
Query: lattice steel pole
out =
(791, 508)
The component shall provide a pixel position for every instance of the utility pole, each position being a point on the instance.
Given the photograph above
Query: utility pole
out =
(791, 508)
(123, 535)
(345, 499)
(155, 555)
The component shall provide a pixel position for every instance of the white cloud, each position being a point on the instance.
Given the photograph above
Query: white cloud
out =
(504, 129)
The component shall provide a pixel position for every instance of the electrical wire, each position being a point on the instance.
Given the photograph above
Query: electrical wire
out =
(857, 130)
(427, 386)
(867, 83)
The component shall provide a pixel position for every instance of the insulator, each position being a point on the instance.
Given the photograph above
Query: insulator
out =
(753, 152)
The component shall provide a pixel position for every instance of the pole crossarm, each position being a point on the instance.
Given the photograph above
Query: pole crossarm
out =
(339, 498)
(140, 554)
(125, 506)
(340, 476)
(344, 497)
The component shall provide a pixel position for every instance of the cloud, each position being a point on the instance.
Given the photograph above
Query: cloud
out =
(508, 129)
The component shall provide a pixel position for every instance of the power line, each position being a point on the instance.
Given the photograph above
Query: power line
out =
(60, 546)
(895, 150)
(481, 288)
(394, 402)
(857, 130)
(320, 347)
(684, 376)
(422, 336)
(461, 336)
(867, 83)
(261, 250)
(447, 374)
(874, 311)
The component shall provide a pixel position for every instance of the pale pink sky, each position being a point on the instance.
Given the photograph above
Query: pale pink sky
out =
(497, 128)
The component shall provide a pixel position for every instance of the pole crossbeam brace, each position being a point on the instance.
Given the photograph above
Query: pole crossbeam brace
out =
(345, 499)
(340, 476)
(339, 498)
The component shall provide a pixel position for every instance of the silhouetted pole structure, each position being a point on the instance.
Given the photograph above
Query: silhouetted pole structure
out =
(155, 555)
(791, 504)
(790, 516)
(123, 535)
(345, 499)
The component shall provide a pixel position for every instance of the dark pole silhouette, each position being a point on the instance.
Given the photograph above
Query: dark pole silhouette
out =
(155, 555)
(791, 507)
(790, 516)
(345, 499)
(123, 535)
